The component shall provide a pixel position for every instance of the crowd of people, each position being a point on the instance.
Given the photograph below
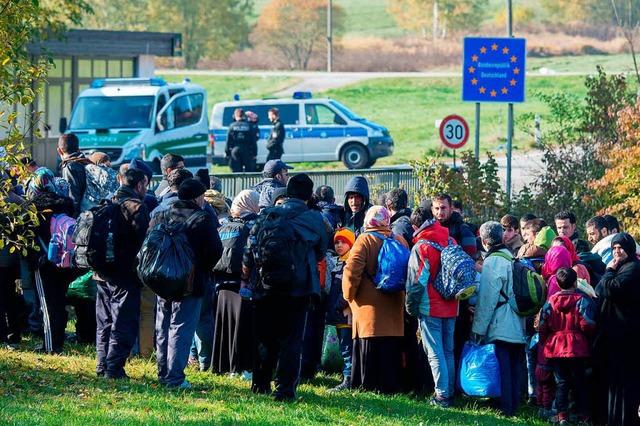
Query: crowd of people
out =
(282, 261)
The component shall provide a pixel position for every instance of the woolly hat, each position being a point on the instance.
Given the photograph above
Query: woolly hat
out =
(300, 186)
(191, 189)
(141, 165)
(345, 235)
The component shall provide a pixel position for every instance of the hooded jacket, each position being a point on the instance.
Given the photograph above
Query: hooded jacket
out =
(566, 323)
(424, 263)
(332, 212)
(355, 221)
(72, 170)
(490, 320)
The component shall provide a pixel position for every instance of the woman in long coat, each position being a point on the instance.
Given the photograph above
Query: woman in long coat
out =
(378, 317)
(618, 323)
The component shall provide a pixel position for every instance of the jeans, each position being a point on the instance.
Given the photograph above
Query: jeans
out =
(437, 339)
(346, 349)
(175, 326)
(570, 375)
(203, 338)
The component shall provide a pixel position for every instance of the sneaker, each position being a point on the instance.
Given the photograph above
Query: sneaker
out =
(247, 376)
(345, 385)
(193, 361)
(438, 401)
(183, 385)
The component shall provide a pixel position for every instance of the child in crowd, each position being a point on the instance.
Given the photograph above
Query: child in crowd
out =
(338, 311)
(566, 322)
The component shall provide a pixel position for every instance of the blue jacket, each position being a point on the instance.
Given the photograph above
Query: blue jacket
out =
(169, 198)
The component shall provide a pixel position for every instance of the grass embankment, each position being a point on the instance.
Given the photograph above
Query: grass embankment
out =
(63, 390)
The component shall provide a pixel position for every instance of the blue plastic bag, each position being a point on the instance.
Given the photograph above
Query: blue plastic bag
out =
(479, 370)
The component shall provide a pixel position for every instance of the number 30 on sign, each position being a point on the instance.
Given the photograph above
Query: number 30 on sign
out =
(454, 131)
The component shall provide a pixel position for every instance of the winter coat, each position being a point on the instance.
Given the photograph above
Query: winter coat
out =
(131, 228)
(355, 221)
(493, 319)
(72, 170)
(460, 231)
(400, 224)
(332, 212)
(580, 245)
(229, 232)
(336, 303)
(169, 198)
(424, 264)
(265, 188)
(310, 231)
(566, 323)
(202, 237)
(375, 313)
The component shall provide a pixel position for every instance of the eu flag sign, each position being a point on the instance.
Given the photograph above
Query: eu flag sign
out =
(493, 69)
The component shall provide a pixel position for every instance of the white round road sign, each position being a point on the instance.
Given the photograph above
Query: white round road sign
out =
(454, 131)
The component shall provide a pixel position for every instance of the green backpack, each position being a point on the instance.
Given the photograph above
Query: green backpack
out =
(529, 288)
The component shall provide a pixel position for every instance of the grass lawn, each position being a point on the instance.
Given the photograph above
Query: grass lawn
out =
(63, 390)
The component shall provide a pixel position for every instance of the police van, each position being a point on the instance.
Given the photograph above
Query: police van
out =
(317, 129)
(142, 118)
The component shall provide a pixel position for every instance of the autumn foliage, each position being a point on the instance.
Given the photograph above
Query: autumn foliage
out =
(620, 184)
(297, 28)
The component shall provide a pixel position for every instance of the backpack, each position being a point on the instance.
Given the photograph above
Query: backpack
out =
(456, 277)
(94, 237)
(166, 262)
(61, 247)
(234, 235)
(393, 259)
(529, 288)
(274, 244)
(100, 182)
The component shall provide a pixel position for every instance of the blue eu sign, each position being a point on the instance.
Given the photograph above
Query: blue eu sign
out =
(493, 69)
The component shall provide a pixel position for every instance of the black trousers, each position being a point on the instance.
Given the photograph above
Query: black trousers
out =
(10, 305)
(377, 364)
(242, 160)
(279, 325)
(53, 301)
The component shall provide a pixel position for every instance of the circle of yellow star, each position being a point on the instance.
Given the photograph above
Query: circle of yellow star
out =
(482, 90)
(493, 93)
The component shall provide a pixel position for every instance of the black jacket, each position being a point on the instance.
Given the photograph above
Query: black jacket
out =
(401, 225)
(202, 236)
(359, 185)
(276, 138)
(241, 135)
(72, 170)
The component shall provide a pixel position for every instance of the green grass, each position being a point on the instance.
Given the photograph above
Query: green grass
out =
(63, 390)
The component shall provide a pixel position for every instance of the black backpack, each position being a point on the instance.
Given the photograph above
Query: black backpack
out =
(234, 235)
(166, 262)
(274, 245)
(94, 237)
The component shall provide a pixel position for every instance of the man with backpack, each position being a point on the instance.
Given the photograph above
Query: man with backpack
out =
(436, 315)
(72, 168)
(495, 321)
(286, 245)
(176, 320)
(118, 291)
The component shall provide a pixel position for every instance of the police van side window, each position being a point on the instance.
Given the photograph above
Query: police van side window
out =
(321, 114)
(184, 111)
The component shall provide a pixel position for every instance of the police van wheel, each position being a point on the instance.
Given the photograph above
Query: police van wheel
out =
(355, 156)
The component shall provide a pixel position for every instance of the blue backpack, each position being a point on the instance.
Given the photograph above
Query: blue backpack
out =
(393, 259)
(456, 277)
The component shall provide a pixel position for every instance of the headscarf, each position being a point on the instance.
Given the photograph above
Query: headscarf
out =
(99, 158)
(627, 243)
(572, 250)
(544, 237)
(557, 257)
(377, 216)
(42, 180)
(247, 201)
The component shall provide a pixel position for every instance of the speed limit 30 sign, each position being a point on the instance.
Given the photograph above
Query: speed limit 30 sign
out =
(454, 131)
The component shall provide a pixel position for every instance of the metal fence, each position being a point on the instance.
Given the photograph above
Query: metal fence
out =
(381, 180)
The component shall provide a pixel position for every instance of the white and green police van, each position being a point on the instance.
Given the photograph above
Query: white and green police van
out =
(142, 118)
(317, 129)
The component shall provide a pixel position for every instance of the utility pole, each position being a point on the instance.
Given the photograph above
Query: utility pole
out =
(329, 35)
(509, 112)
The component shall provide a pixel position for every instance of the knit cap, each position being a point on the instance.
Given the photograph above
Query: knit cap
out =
(345, 235)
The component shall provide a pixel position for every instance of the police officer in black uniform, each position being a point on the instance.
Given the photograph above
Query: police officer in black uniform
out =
(242, 148)
(276, 137)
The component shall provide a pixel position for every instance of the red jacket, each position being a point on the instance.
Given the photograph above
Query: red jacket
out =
(566, 322)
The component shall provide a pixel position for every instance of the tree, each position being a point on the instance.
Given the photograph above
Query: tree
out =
(21, 79)
(628, 22)
(448, 15)
(209, 28)
(297, 28)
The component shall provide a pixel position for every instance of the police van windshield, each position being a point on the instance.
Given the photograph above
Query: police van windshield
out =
(346, 111)
(118, 112)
